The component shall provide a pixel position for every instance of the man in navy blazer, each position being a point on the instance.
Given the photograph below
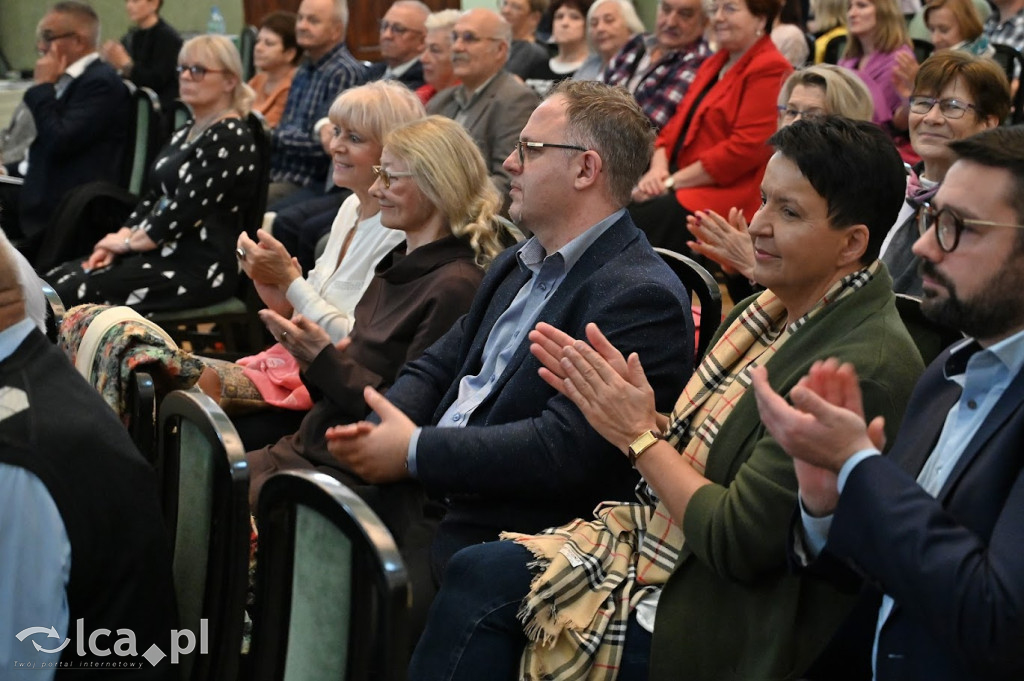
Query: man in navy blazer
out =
(936, 529)
(81, 109)
(471, 419)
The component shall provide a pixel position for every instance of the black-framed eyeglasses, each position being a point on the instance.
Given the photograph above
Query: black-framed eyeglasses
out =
(196, 71)
(791, 115)
(45, 39)
(470, 38)
(950, 108)
(397, 29)
(949, 226)
(386, 175)
(521, 147)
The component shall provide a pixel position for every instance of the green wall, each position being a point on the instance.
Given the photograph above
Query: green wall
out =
(18, 19)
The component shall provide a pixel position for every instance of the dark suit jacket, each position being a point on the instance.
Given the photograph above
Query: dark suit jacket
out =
(954, 565)
(527, 459)
(494, 120)
(79, 138)
(412, 78)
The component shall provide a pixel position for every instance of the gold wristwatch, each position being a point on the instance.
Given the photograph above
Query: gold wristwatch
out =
(641, 444)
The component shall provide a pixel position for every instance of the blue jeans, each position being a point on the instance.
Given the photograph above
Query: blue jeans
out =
(472, 631)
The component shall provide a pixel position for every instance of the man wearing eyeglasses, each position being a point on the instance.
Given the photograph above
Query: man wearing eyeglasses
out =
(936, 527)
(81, 110)
(403, 32)
(471, 419)
(491, 104)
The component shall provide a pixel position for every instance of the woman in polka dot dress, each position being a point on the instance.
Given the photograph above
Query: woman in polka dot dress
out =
(176, 249)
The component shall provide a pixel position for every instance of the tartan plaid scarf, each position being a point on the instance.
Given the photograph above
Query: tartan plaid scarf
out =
(591, 574)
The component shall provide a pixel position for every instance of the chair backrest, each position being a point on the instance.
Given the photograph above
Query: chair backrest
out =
(1012, 62)
(54, 311)
(929, 337)
(701, 283)
(205, 485)
(143, 139)
(332, 592)
(922, 49)
(252, 216)
(246, 43)
(834, 49)
(141, 409)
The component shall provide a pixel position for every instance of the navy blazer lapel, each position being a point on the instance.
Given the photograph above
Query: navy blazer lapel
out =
(1009, 403)
(918, 440)
(612, 242)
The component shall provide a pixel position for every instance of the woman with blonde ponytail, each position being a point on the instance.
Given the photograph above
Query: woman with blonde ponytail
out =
(433, 186)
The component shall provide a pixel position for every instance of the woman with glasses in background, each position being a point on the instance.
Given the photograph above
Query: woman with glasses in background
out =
(814, 92)
(956, 95)
(176, 249)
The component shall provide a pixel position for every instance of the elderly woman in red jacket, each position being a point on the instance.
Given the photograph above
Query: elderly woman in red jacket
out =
(712, 152)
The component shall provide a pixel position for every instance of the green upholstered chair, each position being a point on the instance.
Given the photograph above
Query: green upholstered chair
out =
(332, 593)
(205, 485)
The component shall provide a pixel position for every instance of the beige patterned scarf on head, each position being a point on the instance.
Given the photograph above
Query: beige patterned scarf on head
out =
(590, 574)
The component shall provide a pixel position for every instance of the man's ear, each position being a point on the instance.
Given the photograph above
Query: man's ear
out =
(588, 169)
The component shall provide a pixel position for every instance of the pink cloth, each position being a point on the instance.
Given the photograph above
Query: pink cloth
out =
(275, 373)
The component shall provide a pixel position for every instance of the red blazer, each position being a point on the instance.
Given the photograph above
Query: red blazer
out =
(729, 129)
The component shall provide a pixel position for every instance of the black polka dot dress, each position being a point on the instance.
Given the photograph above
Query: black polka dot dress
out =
(192, 213)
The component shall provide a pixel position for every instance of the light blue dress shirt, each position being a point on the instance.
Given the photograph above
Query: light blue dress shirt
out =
(547, 272)
(987, 374)
(35, 559)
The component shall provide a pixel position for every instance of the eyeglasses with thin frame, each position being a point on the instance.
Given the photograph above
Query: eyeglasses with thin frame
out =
(196, 71)
(45, 39)
(521, 147)
(386, 175)
(397, 29)
(950, 108)
(470, 38)
(949, 226)
(790, 115)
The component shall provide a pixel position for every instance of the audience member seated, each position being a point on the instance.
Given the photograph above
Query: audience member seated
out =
(956, 25)
(524, 16)
(490, 103)
(81, 111)
(932, 529)
(402, 33)
(1005, 25)
(569, 35)
(829, 22)
(361, 118)
(610, 25)
(878, 36)
(275, 55)
(437, 55)
(148, 53)
(15, 140)
(658, 68)
(471, 420)
(712, 154)
(176, 249)
(82, 537)
(433, 187)
(788, 34)
(955, 95)
(584, 596)
(811, 93)
(299, 163)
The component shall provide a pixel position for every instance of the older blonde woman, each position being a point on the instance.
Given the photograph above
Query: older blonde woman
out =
(176, 249)
(361, 117)
(610, 25)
